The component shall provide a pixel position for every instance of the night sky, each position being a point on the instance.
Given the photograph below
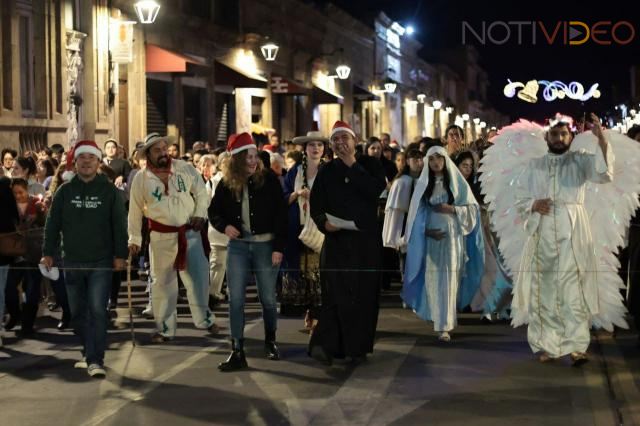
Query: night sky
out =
(438, 26)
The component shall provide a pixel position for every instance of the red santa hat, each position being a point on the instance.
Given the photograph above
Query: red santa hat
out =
(81, 147)
(268, 148)
(240, 142)
(341, 126)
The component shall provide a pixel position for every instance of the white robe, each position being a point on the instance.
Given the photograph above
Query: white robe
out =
(395, 212)
(557, 284)
(445, 259)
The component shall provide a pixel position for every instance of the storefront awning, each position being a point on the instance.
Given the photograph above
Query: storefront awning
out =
(283, 86)
(321, 96)
(362, 94)
(231, 76)
(159, 59)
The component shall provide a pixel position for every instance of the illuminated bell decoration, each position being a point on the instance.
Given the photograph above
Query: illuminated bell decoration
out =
(390, 87)
(421, 97)
(147, 11)
(343, 72)
(530, 92)
(437, 104)
(269, 51)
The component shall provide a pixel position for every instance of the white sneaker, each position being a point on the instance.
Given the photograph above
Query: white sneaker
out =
(81, 364)
(444, 337)
(96, 370)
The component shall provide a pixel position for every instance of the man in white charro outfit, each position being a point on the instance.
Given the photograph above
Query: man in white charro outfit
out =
(173, 196)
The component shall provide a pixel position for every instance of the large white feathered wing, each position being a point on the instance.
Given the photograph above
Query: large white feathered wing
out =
(512, 150)
(610, 207)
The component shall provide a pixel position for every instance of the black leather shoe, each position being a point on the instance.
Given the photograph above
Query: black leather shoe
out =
(271, 350)
(236, 361)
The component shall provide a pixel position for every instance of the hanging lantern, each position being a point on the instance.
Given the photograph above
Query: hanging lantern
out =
(269, 51)
(437, 104)
(343, 71)
(147, 11)
(390, 87)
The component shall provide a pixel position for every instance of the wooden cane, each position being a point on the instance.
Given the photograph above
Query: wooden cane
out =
(133, 336)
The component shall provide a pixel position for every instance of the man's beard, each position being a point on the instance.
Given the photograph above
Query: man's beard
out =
(559, 148)
(161, 162)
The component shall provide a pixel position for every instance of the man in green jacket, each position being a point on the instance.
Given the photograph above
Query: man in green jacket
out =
(90, 216)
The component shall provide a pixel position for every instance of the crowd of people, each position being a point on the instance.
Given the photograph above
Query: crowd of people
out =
(322, 224)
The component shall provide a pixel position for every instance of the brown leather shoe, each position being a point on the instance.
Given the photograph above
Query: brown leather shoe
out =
(578, 358)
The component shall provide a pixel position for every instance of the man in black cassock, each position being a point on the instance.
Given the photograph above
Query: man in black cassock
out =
(350, 260)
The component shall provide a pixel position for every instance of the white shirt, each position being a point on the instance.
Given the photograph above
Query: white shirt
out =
(184, 198)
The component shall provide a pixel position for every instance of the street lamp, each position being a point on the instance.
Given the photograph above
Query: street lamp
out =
(269, 51)
(147, 11)
(343, 71)
(390, 87)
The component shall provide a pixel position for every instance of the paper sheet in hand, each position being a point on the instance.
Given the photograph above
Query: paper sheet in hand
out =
(341, 223)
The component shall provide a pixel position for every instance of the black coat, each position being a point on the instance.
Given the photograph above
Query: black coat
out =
(350, 260)
(8, 213)
(120, 167)
(267, 207)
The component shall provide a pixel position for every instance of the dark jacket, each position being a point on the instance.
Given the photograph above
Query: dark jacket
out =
(92, 219)
(268, 209)
(120, 167)
(8, 213)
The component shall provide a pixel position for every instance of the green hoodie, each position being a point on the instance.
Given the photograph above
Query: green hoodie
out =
(92, 219)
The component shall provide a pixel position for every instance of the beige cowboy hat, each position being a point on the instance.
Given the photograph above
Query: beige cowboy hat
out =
(311, 136)
(153, 138)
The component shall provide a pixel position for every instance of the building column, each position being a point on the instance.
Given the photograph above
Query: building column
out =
(75, 66)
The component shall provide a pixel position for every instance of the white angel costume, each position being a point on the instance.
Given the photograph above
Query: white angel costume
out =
(442, 275)
(395, 212)
(563, 263)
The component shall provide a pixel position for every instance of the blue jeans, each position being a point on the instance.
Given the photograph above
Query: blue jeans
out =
(88, 285)
(244, 258)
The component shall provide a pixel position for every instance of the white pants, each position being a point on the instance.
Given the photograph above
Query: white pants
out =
(217, 269)
(163, 249)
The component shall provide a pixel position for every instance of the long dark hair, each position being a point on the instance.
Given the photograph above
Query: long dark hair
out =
(406, 170)
(445, 181)
(464, 155)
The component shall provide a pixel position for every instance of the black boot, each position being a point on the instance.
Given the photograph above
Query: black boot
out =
(270, 348)
(29, 313)
(236, 360)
